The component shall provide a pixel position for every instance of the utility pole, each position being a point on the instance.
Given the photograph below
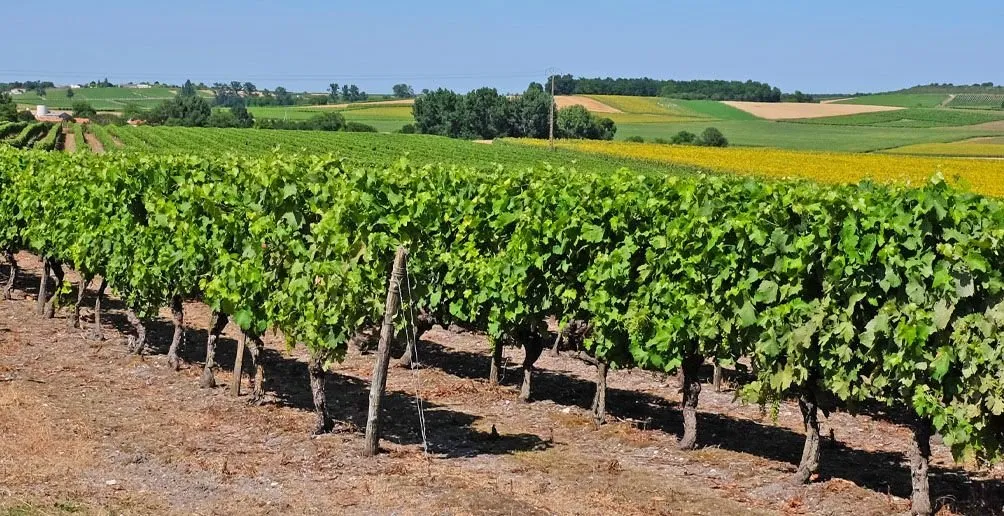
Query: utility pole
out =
(550, 124)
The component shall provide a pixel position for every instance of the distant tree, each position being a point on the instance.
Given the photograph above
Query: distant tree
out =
(333, 92)
(438, 112)
(635, 139)
(236, 86)
(485, 115)
(577, 122)
(69, 93)
(328, 121)
(134, 112)
(188, 90)
(535, 86)
(563, 84)
(40, 91)
(249, 88)
(283, 97)
(81, 109)
(346, 96)
(25, 116)
(191, 111)
(408, 129)
(683, 138)
(531, 113)
(712, 137)
(359, 127)
(242, 116)
(221, 118)
(8, 109)
(403, 91)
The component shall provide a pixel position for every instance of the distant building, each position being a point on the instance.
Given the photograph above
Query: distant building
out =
(74, 86)
(140, 86)
(17, 91)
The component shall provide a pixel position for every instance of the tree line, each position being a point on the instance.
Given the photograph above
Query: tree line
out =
(485, 114)
(646, 87)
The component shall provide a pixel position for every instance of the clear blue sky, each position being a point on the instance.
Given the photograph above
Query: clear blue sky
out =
(816, 47)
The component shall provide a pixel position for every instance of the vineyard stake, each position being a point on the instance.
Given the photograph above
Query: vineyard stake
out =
(235, 386)
(379, 381)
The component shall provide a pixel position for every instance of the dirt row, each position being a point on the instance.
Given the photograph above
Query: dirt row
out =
(89, 428)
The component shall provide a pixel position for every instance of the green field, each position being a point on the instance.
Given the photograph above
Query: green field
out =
(977, 101)
(911, 117)
(906, 100)
(789, 135)
(377, 148)
(385, 118)
(105, 99)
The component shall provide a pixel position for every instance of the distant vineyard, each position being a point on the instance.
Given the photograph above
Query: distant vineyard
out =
(978, 101)
(21, 135)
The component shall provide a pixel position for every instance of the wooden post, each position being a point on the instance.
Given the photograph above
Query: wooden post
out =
(235, 385)
(717, 379)
(379, 381)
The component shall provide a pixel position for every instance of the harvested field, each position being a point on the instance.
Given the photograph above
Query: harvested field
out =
(89, 428)
(589, 103)
(791, 111)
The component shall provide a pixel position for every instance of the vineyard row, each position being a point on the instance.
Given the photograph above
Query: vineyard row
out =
(865, 295)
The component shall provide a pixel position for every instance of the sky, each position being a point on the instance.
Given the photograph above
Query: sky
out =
(817, 47)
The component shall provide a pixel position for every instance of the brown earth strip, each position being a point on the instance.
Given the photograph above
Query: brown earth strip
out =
(591, 104)
(95, 144)
(69, 140)
(89, 428)
(791, 110)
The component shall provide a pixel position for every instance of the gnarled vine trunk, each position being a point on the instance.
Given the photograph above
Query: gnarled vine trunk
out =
(423, 323)
(257, 349)
(178, 339)
(56, 270)
(8, 290)
(138, 341)
(600, 398)
(217, 323)
(810, 452)
(533, 346)
(97, 334)
(494, 376)
(81, 290)
(920, 454)
(691, 387)
(317, 376)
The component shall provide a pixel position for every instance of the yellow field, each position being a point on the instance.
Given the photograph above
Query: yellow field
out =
(983, 176)
(641, 110)
(977, 149)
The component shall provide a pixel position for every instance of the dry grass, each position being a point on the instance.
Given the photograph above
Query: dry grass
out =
(589, 103)
(790, 111)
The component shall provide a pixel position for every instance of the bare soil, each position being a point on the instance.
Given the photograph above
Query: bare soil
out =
(997, 125)
(589, 103)
(94, 142)
(88, 428)
(69, 140)
(792, 110)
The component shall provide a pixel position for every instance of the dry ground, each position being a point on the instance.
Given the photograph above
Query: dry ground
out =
(88, 428)
(591, 104)
(791, 110)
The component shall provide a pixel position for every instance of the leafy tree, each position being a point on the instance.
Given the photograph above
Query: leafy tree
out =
(333, 91)
(683, 138)
(222, 118)
(25, 116)
(485, 115)
(403, 91)
(359, 127)
(69, 93)
(577, 122)
(134, 112)
(8, 109)
(188, 90)
(283, 97)
(242, 116)
(438, 112)
(531, 113)
(82, 109)
(712, 137)
(40, 91)
(408, 129)
(249, 88)
(329, 121)
(190, 111)
(635, 139)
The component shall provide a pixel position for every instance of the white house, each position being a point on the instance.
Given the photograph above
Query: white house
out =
(17, 91)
